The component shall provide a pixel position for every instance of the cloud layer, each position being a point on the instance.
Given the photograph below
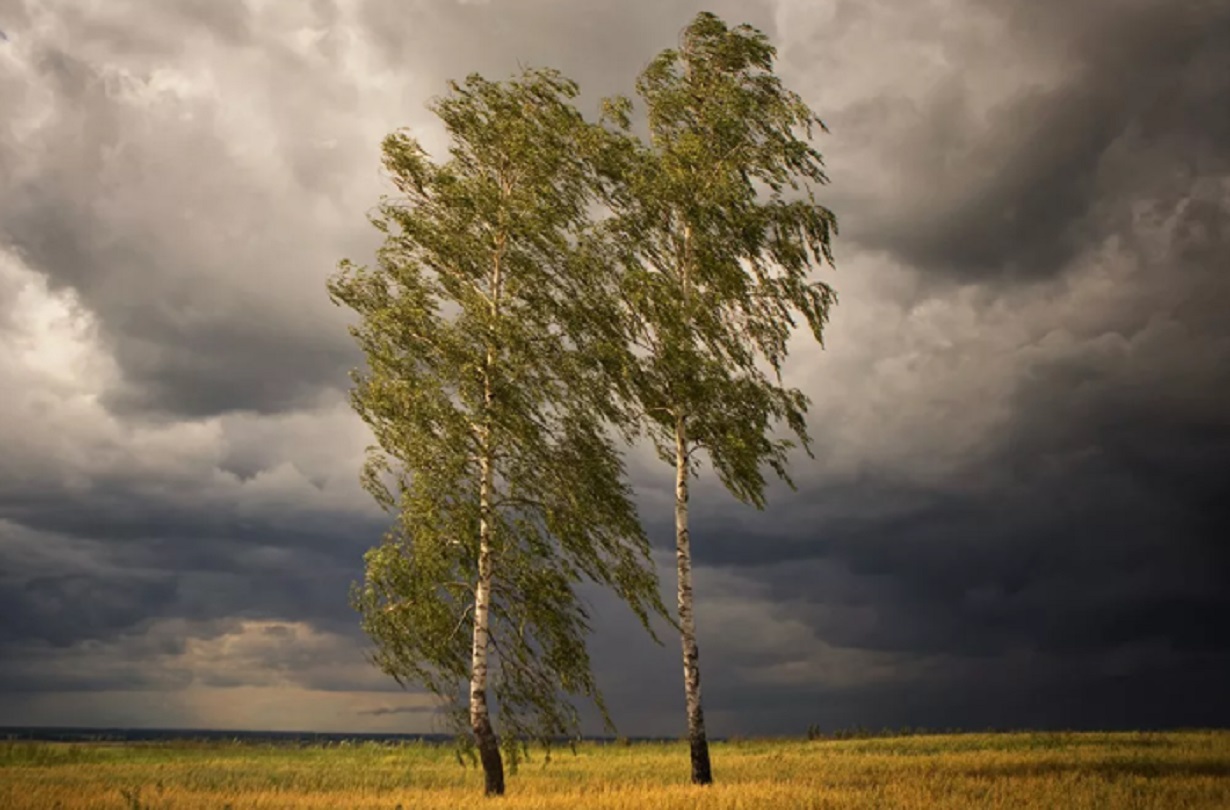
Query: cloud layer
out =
(1017, 510)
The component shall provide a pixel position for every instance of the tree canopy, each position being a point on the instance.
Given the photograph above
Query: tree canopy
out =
(510, 331)
(720, 228)
(486, 324)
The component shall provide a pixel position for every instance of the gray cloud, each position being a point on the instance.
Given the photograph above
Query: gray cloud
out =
(1016, 512)
(1085, 108)
(189, 217)
(601, 45)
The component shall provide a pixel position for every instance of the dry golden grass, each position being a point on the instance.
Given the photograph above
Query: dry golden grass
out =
(1167, 771)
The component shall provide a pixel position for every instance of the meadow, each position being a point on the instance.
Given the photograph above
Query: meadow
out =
(1170, 771)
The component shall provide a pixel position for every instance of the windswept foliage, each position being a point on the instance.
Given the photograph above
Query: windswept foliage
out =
(486, 328)
(720, 229)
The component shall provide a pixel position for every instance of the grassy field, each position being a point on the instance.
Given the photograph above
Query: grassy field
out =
(1038, 770)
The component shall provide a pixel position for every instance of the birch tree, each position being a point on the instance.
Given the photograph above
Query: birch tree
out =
(484, 324)
(721, 229)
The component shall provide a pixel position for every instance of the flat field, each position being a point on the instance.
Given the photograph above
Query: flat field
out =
(1167, 771)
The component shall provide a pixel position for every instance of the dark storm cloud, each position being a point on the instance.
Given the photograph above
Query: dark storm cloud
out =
(1149, 689)
(1142, 96)
(1072, 568)
(112, 511)
(203, 271)
(206, 279)
(601, 45)
(117, 589)
(38, 669)
(1017, 510)
(1085, 543)
(204, 268)
(168, 613)
(65, 608)
(150, 526)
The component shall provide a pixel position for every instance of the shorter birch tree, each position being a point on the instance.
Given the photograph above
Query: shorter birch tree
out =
(484, 324)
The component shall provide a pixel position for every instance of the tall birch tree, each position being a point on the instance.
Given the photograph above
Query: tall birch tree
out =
(720, 228)
(485, 324)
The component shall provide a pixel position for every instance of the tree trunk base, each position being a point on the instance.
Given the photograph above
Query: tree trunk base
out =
(493, 763)
(702, 773)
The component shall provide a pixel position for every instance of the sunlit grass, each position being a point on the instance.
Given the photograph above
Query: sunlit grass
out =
(1130, 770)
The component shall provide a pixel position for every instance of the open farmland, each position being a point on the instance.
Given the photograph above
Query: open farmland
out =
(1028, 770)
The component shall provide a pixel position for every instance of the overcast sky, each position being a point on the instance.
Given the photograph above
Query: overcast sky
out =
(1019, 509)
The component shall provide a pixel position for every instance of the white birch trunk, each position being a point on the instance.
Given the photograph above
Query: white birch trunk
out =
(702, 773)
(480, 715)
(480, 718)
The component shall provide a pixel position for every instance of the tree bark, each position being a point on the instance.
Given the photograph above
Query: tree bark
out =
(480, 718)
(702, 773)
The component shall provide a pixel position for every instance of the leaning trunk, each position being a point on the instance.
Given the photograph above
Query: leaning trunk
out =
(702, 774)
(480, 717)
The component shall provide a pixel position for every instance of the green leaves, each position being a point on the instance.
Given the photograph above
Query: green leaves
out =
(507, 329)
(489, 325)
(721, 229)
